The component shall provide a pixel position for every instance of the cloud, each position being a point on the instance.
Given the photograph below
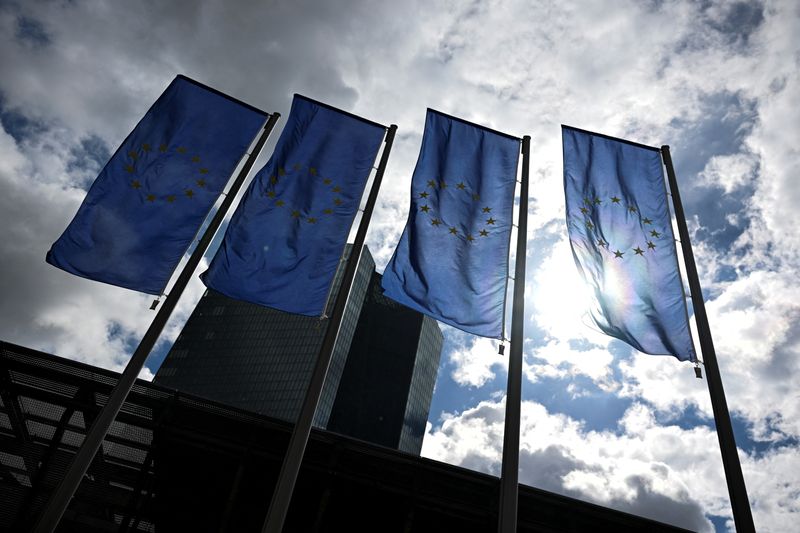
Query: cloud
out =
(719, 82)
(474, 362)
(657, 472)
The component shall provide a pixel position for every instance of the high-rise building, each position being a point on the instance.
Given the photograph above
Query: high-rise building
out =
(380, 382)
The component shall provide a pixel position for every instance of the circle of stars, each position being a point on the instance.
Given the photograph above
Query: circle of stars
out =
(293, 172)
(136, 155)
(425, 205)
(650, 235)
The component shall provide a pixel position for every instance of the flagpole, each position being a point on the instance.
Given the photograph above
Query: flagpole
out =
(737, 491)
(509, 477)
(282, 495)
(66, 489)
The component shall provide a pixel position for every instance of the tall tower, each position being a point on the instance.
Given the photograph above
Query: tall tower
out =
(261, 359)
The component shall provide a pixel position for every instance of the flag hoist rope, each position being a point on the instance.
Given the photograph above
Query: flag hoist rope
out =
(60, 499)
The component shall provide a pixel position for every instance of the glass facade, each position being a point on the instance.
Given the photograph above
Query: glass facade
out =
(261, 359)
(258, 358)
(386, 389)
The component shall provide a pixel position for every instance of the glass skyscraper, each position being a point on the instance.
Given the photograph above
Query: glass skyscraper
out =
(380, 382)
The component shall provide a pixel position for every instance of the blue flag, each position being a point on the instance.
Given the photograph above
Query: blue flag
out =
(621, 235)
(285, 239)
(144, 208)
(452, 259)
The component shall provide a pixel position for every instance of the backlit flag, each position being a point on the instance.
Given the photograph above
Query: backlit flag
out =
(144, 208)
(452, 259)
(621, 235)
(285, 239)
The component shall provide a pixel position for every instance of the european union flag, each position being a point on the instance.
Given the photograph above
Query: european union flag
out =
(452, 259)
(144, 208)
(621, 235)
(285, 239)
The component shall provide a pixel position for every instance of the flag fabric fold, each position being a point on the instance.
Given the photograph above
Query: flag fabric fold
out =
(146, 205)
(452, 259)
(284, 241)
(621, 235)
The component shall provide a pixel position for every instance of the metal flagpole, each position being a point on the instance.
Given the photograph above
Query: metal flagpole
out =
(94, 438)
(282, 495)
(507, 522)
(740, 504)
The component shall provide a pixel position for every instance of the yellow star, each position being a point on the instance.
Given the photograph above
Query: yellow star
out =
(181, 150)
(487, 209)
(271, 194)
(129, 168)
(273, 180)
(614, 200)
(311, 220)
(326, 181)
(584, 210)
(632, 209)
(470, 238)
(201, 183)
(203, 171)
(650, 245)
(476, 196)
(151, 197)
(597, 201)
(431, 183)
(490, 221)
(337, 201)
(461, 185)
(647, 221)
(146, 147)
(638, 251)
(136, 184)
(587, 201)
(328, 211)
(590, 225)
(484, 233)
(655, 234)
(195, 159)
(601, 242)
(423, 194)
(162, 148)
(189, 193)
(280, 203)
(619, 254)
(454, 231)
(281, 171)
(133, 154)
(337, 189)
(442, 185)
(435, 222)
(312, 171)
(171, 198)
(424, 208)
(295, 213)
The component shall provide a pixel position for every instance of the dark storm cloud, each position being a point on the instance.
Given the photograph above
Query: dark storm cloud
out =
(87, 159)
(32, 32)
(18, 125)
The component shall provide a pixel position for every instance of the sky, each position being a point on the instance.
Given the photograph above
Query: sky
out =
(717, 81)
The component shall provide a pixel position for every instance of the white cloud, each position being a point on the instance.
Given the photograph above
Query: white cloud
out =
(729, 171)
(516, 66)
(475, 363)
(659, 472)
